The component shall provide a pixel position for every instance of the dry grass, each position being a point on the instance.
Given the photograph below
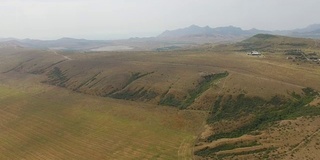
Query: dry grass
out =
(43, 122)
(176, 73)
(102, 128)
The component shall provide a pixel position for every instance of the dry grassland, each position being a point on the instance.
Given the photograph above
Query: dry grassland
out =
(44, 122)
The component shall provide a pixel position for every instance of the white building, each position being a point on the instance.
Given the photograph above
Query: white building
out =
(255, 53)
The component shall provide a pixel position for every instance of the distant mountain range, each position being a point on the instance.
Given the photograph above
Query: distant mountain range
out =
(191, 35)
(312, 31)
(207, 31)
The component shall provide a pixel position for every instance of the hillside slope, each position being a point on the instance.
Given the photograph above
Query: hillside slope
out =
(244, 96)
(266, 42)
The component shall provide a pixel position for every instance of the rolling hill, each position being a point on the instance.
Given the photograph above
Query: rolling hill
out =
(271, 43)
(207, 102)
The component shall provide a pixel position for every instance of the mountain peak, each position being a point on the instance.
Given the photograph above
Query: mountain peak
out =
(68, 39)
(194, 26)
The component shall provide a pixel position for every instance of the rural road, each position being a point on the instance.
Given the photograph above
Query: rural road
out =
(65, 57)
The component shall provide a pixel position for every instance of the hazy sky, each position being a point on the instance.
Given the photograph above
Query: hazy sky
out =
(110, 19)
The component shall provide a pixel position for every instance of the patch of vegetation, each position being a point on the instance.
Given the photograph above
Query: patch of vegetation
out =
(87, 81)
(294, 44)
(232, 108)
(295, 52)
(202, 87)
(210, 151)
(310, 92)
(277, 100)
(265, 36)
(295, 95)
(132, 95)
(42, 70)
(170, 100)
(135, 76)
(265, 112)
(253, 44)
(169, 48)
(56, 77)
(148, 95)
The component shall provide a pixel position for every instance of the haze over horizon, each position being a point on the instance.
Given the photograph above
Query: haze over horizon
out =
(107, 19)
